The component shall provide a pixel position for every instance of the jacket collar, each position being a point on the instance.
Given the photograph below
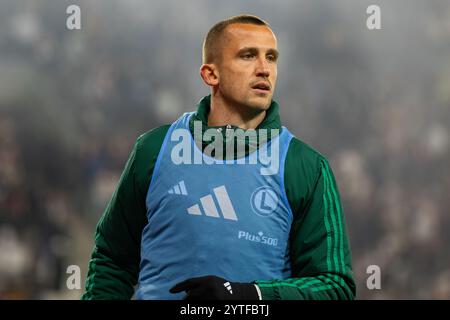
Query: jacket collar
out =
(271, 121)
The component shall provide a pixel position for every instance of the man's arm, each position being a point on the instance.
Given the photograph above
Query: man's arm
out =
(320, 252)
(114, 265)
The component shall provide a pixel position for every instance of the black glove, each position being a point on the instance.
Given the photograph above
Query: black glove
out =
(215, 288)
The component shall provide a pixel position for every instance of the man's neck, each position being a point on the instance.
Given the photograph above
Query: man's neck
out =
(222, 114)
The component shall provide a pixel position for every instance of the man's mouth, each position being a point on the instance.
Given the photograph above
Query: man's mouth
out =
(261, 87)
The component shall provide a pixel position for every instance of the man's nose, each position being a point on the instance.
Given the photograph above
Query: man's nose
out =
(262, 68)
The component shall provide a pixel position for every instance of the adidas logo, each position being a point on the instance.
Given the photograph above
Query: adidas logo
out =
(209, 207)
(179, 188)
(228, 286)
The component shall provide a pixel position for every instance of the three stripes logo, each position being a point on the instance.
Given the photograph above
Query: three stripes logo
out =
(209, 207)
(179, 188)
(228, 286)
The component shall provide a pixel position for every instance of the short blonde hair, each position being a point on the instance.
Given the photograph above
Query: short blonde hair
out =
(211, 44)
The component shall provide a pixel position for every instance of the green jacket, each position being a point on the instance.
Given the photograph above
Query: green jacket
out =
(320, 251)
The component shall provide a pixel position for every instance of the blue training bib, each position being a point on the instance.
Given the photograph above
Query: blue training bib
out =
(230, 218)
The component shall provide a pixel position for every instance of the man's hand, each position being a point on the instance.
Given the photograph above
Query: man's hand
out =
(215, 288)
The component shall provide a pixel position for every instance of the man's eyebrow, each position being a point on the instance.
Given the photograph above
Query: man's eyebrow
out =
(247, 49)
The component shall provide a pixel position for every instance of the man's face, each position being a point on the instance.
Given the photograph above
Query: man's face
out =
(248, 66)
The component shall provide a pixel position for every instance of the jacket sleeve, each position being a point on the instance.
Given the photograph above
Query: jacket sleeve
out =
(114, 266)
(320, 251)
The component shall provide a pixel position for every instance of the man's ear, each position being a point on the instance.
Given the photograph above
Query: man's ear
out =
(209, 74)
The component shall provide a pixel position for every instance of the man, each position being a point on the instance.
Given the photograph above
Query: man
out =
(225, 227)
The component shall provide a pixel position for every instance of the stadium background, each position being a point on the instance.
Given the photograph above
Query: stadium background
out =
(376, 103)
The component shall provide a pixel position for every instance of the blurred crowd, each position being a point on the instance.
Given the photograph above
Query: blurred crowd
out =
(375, 103)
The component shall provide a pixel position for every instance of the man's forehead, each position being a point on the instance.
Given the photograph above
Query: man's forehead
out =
(245, 32)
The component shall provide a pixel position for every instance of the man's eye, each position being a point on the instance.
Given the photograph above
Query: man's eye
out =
(271, 57)
(248, 56)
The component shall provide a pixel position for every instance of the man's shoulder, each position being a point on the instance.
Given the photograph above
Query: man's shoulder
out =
(303, 166)
(146, 150)
(302, 151)
(152, 139)
(304, 160)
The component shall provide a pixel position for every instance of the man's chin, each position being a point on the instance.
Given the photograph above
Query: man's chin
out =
(260, 104)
